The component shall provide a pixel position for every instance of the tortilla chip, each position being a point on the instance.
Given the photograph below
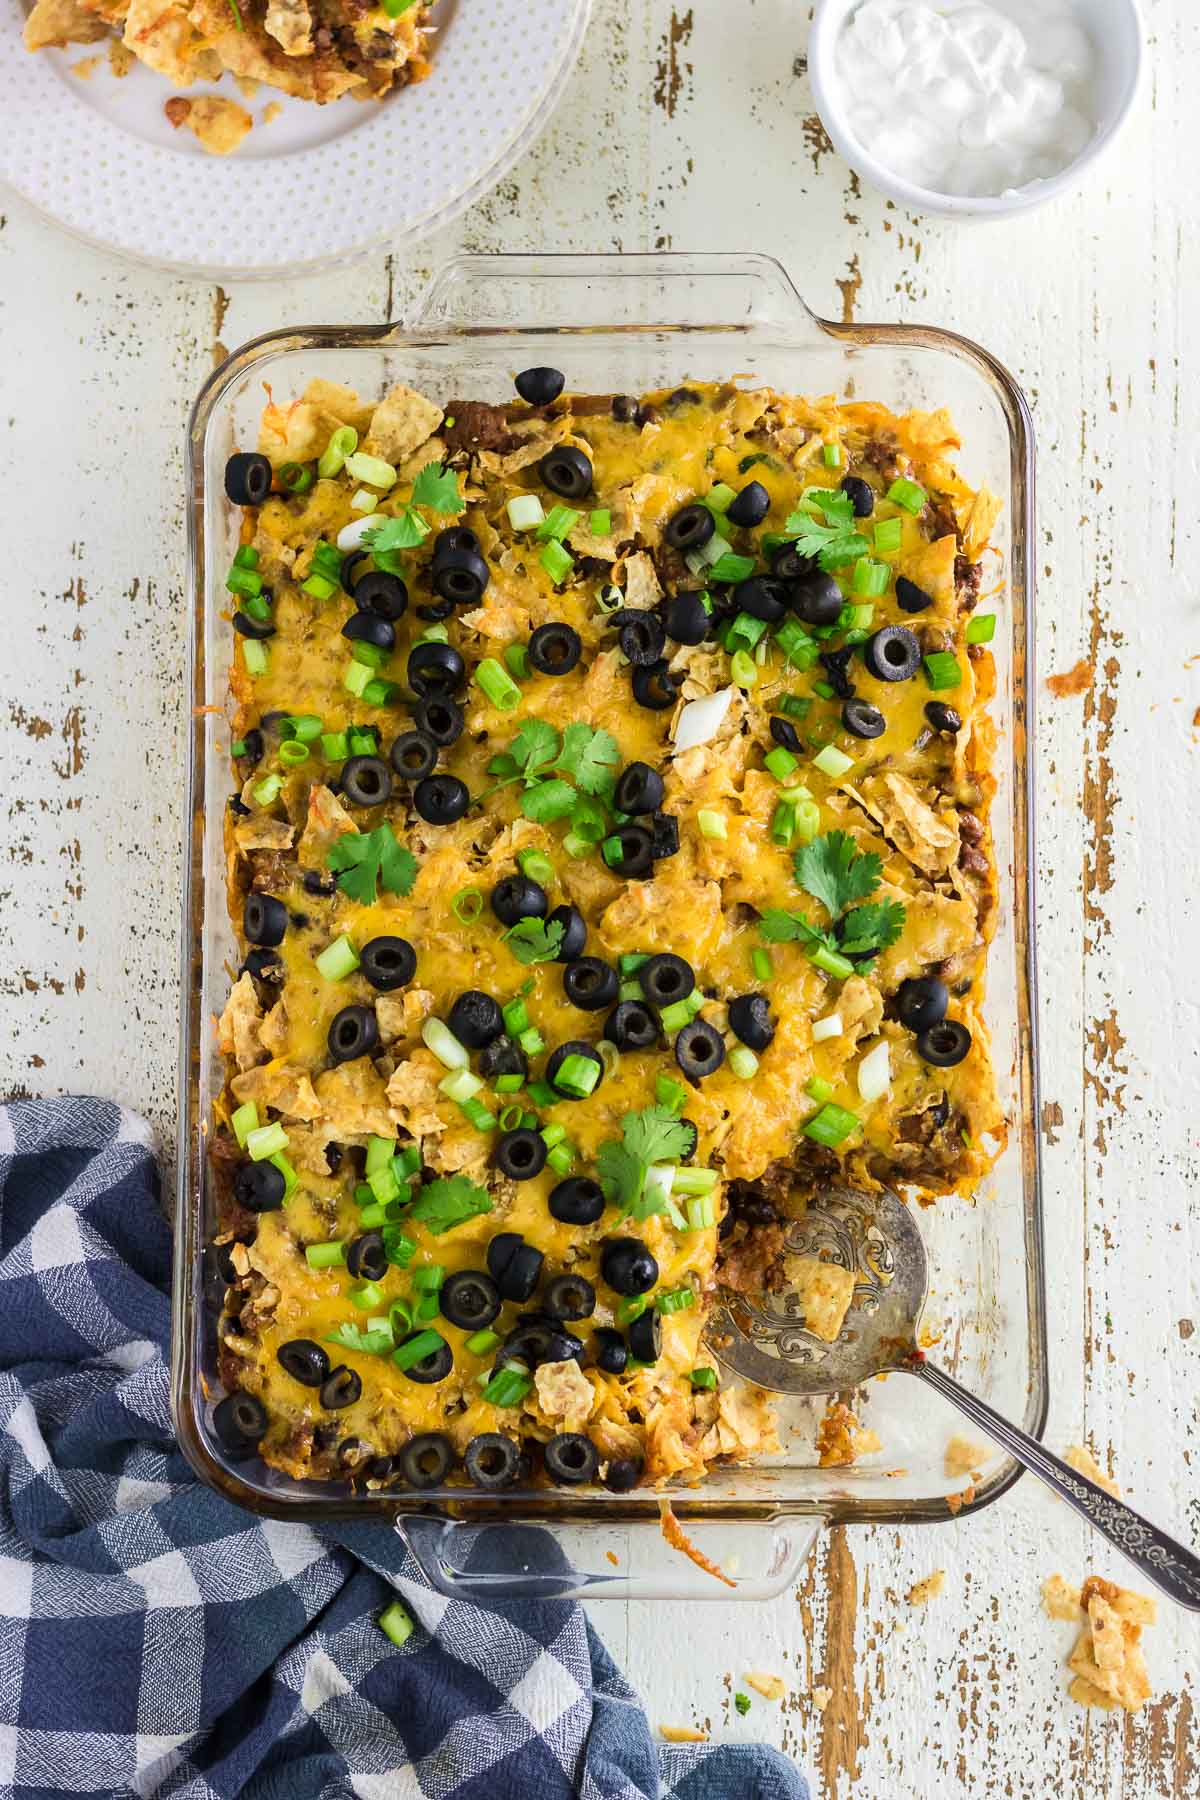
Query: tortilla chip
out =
(61, 22)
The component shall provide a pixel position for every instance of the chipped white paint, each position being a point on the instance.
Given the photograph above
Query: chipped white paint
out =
(697, 136)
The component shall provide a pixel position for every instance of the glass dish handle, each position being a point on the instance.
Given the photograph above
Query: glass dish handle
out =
(662, 292)
(490, 1561)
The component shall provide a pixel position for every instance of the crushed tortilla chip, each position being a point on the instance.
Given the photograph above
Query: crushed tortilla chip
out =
(683, 1734)
(771, 1687)
(820, 1697)
(956, 1502)
(840, 1441)
(1107, 1667)
(678, 1539)
(922, 1592)
(964, 1457)
(825, 1292)
(1059, 1599)
(219, 125)
(86, 68)
(1081, 1458)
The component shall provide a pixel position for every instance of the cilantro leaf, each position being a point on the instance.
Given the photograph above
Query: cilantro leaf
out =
(871, 927)
(371, 1340)
(404, 532)
(837, 506)
(587, 753)
(621, 1175)
(835, 542)
(535, 940)
(834, 871)
(535, 746)
(787, 927)
(656, 1135)
(437, 487)
(449, 1202)
(363, 858)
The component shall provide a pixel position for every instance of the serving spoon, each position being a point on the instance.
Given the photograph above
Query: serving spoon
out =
(876, 1237)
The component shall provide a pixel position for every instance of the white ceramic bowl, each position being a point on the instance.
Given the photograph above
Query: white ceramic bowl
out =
(1118, 34)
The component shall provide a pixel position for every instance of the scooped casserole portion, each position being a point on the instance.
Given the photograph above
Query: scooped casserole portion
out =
(610, 862)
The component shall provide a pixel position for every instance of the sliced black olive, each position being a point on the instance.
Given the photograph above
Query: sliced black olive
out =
(762, 598)
(863, 720)
(460, 577)
(639, 789)
(441, 799)
(253, 746)
(475, 1019)
(686, 618)
(435, 610)
(573, 1047)
(789, 566)
(520, 1154)
(632, 853)
(247, 627)
(366, 1258)
(520, 1274)
(264, 919)
(664, 835)
(750, 507)
(623, 1475)
(388, 963)
(470, 1299)
(239, 1421)
(317, 882)
(645, 1336)
(641, 635)
(836, 664)
(304, 1360)
(381, 593)
(664, 979)
(259, 1187)
(633, 1026)
(554, 648)
(518, 897)
(627, 1266)
(434, 1367)
(590, 983)
(576, 1201)
(690, 528)
(566, 471)
(893, 653)
(248, 478)
(352, 1452)
(503, 1057)
(570, 1457)
(381, 1468)
(655, 686)
(370, 628)
(862, 495)
(435, 668)
(624, 409)
(943, 717)
(414, 755)
(453, 539)
(786, 735)
(501, 1251)
(440, 718)
(945, 1044)
(569, 1297)
(750, 1019)
(351, 563)
(816, 599)
(922, 1002)
(608, 1350)
(574, 935)
(427, 1459)
(539, 1340)
(909, 597)
(699, 1049)
(492, 1461)
(365, 780)
(354, 1032)
(540, 387)
(264, 965)
(341, 1387)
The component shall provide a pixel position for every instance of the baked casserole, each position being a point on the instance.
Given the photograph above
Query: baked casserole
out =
(611, 868)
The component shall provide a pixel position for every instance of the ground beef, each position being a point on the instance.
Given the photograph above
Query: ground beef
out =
(750, 1261)
(920, 1127)
(967, 576)
(880, 452)
(224, 1160)
(271, 871)
(478, 426)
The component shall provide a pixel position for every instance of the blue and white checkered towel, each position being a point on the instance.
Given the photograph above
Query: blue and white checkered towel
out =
(155, 1640)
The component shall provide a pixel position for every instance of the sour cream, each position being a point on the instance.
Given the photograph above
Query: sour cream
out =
(964, 97)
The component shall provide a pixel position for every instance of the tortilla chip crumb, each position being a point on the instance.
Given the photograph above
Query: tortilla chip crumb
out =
(613, 1558)
(86, 68)
(271, 112)
(821, 1696)
(1059, 1599)
(1107, 1666)
(963, 1457)
(219, 125)
(1081, 1458)
(683, 1734)
(956, 1502)
(120, 58)
(840, 1441)
(922, 1592)
(247, 86)
(771, 1687)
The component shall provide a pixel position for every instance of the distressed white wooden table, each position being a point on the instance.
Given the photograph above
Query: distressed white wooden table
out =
(694, 130)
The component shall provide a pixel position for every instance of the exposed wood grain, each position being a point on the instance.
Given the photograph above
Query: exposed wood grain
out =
(686, 129)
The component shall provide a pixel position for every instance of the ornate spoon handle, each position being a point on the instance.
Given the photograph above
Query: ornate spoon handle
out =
(1158, 1557)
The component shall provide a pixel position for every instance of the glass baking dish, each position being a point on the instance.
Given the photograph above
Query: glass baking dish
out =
(630, 323)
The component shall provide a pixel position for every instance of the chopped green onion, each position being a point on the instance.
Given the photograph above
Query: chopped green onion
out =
(238, 747)
(675, 1016)
(869, 577)
(670, 1093)
(719, 498)
(334, 746)
(399, 1318)
(441, 1040)
(366, 1295)
(460, 1085)
(743, 670)
(818, 1089)
(434, 634)
(833, 762)
(371, 469)
(319, 586)
(783, 824)
(384, 1185)
(399, 1248)
(362, 500)
(632, 1308)
(362, 740)
(743, 1062)
(416, 1349)
(731, 568)
(799, 649)
(542, 1094)
(516, 658)
(370, 654)
(480, 1342)
(497, 684)
(695, 1181)
(290, 1178)
(246, 557)
(609, 1056)
(908, 494)
(333, 460)
(981, 629)
(467, 905)
(561, 1159)
(942, 670)
(675, 1300)
(509, 1084)
(246, 583)
(808, 820)
(823, 689)
(325, 1256)
(515, 1014)
(338, 959)
(557, 562)
(831, 1125)
(478, 1115)
(796, 706)
(558, 521)
(244, 1121)
(394, 1622)
(630, 990)
(356, 678)
(831, 455)
(295, 478)
(255, 657)
(268, 789)
(306, 727)
(380, 1151)
(632, 961)
(704, 1378)
(711, 823)
(510, 1117)
(507, 1387)
(760, 962)
(747, 630)
(265, 1140)
(429, 1278)
(840, 967)
(380, 693)
(889, 535)
(701, 1214)
(524, 512)
(537, 865)
(601, 521)
(578, 1075)
(781, 762)
(553, 1134)
(373, 1215)
(407, 1161)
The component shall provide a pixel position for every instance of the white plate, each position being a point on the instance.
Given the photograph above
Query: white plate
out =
(316, 186)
